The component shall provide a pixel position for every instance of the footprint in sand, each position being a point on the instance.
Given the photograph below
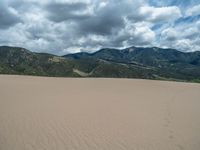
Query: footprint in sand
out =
(168, 124)
(180, 147)
(167, 121)
(171, 137)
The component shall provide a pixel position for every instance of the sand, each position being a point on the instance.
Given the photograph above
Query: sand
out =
(38, 113)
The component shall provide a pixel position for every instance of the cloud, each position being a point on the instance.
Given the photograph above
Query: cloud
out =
(180, 3)
(65, 26)
(185, 37)
(156, 14)
(169, 34)
(92, 18)
(103, 23)
(193, 11)
(59, 12)
(8, 16)
(140, 35)
(160, 14)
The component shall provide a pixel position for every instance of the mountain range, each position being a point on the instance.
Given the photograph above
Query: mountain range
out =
(133, 62)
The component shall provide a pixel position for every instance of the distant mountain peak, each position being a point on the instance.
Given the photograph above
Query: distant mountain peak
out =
(132, 62)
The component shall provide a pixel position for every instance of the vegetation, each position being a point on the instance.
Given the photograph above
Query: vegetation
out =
(133, 62)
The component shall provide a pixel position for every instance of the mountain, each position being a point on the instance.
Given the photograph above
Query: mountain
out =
(133, 62)
(159, 63)
(14, 60)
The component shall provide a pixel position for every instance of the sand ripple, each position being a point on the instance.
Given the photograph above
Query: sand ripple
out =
(98, 114)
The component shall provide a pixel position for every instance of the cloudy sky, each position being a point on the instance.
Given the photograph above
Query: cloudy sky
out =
(67, 26)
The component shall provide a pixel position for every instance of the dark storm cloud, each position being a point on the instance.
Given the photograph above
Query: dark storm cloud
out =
(103, 24)
(101, 21)
(59, 12)
(7, 17)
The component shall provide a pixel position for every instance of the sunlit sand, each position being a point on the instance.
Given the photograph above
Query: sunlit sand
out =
(39, 113)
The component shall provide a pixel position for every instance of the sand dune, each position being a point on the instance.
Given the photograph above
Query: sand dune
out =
(38, 113)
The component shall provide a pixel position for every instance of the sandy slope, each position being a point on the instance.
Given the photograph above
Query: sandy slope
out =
(98, 114)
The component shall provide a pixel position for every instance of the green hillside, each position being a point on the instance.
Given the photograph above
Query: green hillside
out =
(133, 62)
